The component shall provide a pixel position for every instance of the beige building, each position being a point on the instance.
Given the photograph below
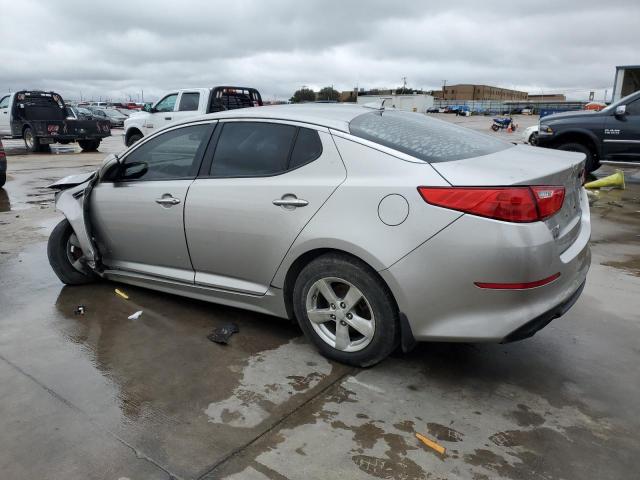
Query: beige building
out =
(464, 91)
(551, 97)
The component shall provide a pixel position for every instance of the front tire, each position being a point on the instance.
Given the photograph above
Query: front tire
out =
(346, 310)
(66, 257)
(3, 178)
(136, 137)
(533, 139)
(591, 163)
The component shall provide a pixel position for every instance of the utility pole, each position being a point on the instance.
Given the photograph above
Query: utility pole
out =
(404, 84)
(444, 89)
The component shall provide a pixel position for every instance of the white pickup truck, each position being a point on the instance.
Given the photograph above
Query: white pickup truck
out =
(185, 103)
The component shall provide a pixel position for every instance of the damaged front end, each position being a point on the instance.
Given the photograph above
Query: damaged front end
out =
(73, 198)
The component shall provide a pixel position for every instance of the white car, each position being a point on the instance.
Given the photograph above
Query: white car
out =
(530, 135)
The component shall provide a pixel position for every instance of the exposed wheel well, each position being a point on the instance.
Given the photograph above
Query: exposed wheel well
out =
(581, 138)
(131, 131)
(307, 257)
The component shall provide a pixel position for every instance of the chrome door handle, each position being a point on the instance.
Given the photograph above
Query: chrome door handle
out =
(290, 201)
(168, 200)
(167, 118)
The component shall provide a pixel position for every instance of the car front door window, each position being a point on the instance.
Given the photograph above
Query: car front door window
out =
(172, 155)
(167, 104)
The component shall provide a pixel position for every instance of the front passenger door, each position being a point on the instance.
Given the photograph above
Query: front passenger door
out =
(5, 114)
(163, 113)
(622, 135)
(138, 212)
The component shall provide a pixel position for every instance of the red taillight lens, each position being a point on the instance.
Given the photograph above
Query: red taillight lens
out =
(549, 200)
(511, 204)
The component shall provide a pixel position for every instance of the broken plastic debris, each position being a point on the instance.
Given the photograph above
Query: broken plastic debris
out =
(79, 310)
(431, 444)
(223, 333)
(122, 294)
(135, 316)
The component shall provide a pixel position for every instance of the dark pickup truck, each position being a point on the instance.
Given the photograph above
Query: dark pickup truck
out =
(42, 118)
(610, 135)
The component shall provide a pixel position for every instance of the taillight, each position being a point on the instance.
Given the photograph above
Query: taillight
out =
(549, 200)
(511, 204)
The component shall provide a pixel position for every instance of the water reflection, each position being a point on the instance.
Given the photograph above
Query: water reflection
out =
(5, 203)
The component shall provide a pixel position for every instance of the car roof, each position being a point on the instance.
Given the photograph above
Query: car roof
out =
(329, 115)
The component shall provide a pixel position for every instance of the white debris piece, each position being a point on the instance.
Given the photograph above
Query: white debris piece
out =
(136, 315)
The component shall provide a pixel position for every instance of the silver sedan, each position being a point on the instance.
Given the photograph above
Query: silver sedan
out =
(373, 228)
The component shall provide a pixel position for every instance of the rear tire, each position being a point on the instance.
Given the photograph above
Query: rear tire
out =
(375, 314)
(495, 128)
(3, 178)
(591, 163)
(136, 137)
(89, 145)
(61, 252)
(31, 141)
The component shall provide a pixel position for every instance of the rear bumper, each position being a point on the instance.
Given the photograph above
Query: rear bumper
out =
(434, 284)
(530, 328)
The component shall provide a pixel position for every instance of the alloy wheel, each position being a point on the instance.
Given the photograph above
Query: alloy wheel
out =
(340, 314)
(74, 253)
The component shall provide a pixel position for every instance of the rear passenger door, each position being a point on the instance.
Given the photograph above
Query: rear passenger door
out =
(253, 197)
(188, 105)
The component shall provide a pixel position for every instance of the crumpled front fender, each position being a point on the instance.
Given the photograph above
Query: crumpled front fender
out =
(71, 203)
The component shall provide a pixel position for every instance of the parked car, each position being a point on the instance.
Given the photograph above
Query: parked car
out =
(42, 118)
(289, 210)
(111, 114)
(611, 134)
(182, 104)
(3, 165)
(530, 135)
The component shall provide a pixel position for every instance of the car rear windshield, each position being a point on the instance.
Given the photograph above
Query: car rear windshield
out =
(423, 137)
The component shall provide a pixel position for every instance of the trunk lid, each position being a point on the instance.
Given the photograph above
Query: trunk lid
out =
(524, 165)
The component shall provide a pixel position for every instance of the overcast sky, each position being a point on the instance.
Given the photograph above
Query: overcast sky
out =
(118, 48)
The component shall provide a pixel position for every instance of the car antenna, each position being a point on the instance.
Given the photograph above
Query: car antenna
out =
(376, 105)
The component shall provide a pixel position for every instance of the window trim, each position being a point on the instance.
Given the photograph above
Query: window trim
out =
(205, 167)
(198, 161)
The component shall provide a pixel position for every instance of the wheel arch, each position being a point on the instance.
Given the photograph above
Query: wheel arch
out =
(582, 137)
(307, 257)
(131, 131)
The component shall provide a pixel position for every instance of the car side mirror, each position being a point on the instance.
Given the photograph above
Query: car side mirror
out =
(621, 111)
(134, 170)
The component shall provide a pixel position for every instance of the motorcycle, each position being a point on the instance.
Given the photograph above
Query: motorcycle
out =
(504, 123)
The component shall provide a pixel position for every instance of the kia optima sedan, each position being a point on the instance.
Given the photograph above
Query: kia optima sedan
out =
(372, 228)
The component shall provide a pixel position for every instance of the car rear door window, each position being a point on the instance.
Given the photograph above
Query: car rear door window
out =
(250, 149)
(189, 102)
(171, 155)
(307, 148)
(424, 137)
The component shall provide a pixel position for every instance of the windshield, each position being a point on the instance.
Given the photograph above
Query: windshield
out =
(622, 101)
(113, 113)
(424, 137)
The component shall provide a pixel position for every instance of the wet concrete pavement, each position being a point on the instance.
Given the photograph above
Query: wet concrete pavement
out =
(100, 396)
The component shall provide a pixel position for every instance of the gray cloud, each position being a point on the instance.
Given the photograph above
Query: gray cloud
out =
(112, 49)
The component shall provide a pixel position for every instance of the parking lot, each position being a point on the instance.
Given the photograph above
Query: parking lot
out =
(99, 396)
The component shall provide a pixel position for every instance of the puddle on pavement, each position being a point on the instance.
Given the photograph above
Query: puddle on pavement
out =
(151, 380)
